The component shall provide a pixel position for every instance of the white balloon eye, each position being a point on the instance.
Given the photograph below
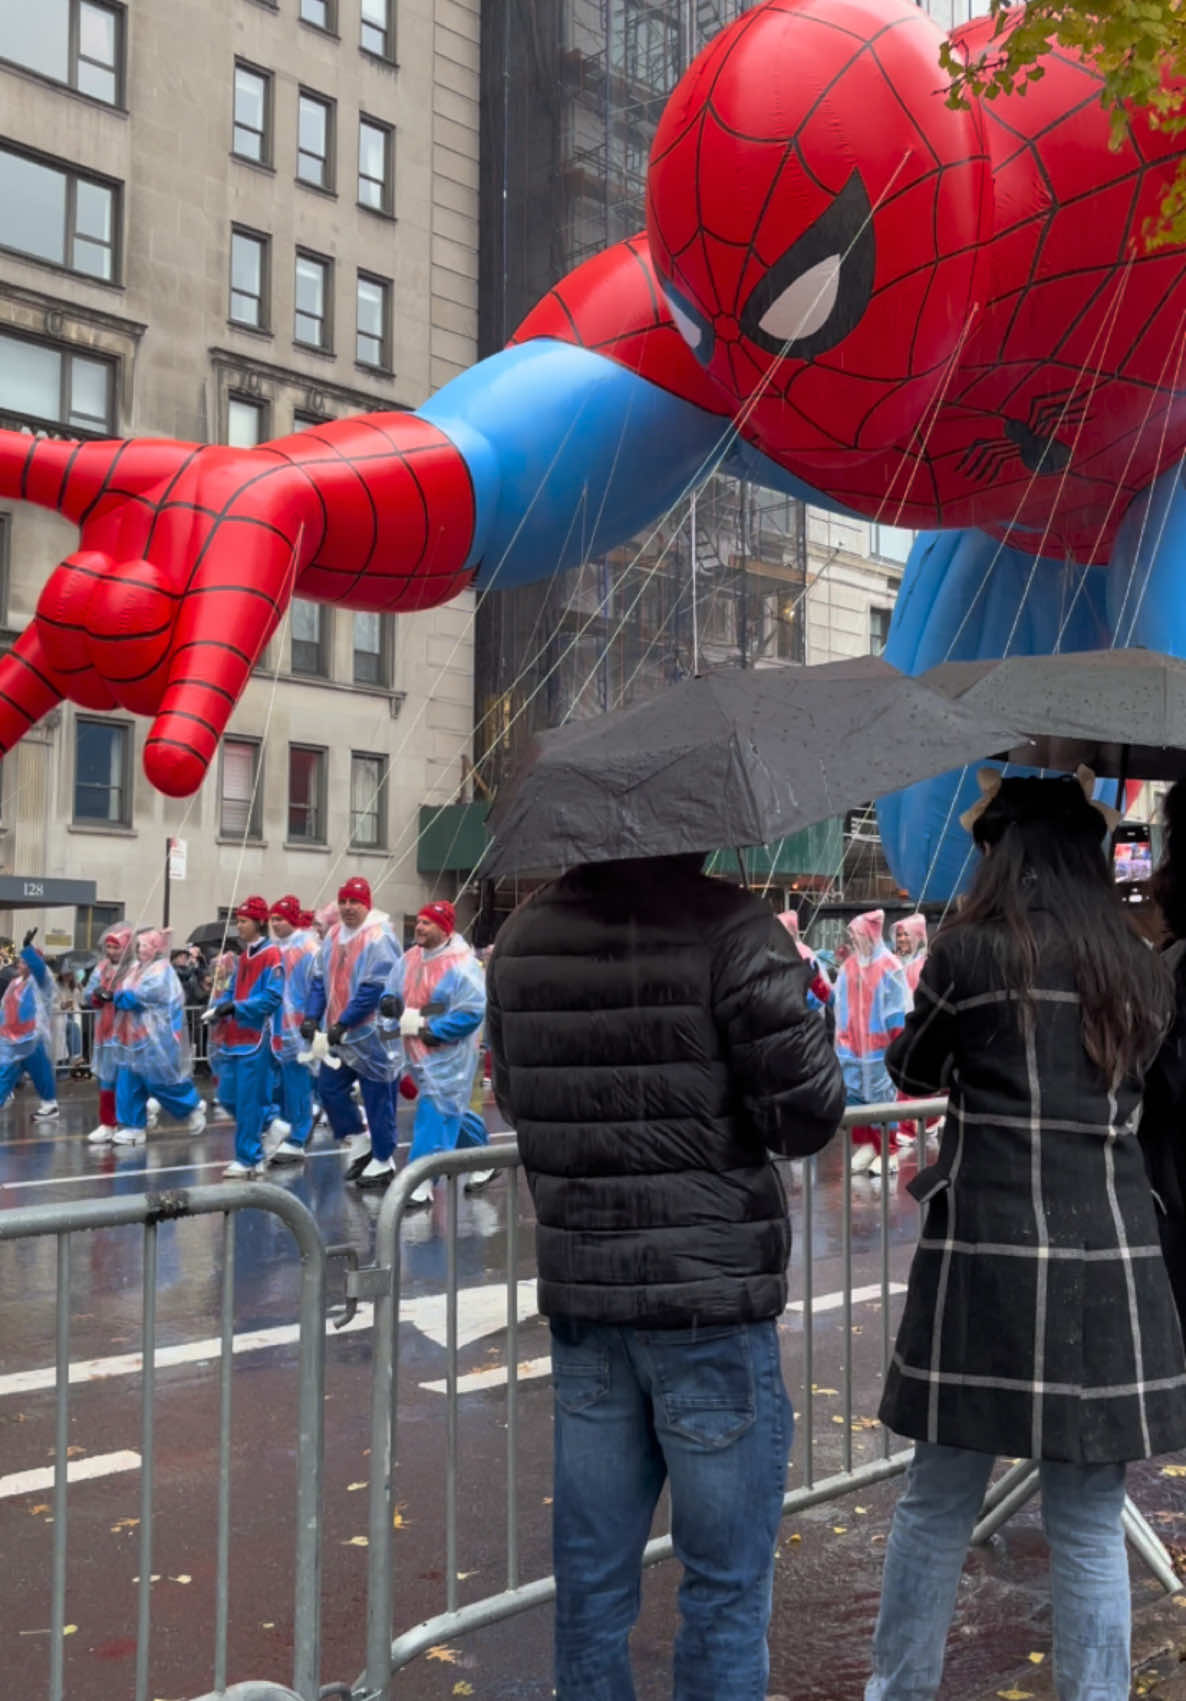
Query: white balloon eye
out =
(695, 331)
(806, 305)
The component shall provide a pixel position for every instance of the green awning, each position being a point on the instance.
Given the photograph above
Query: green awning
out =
(815, 850)
(451, 839)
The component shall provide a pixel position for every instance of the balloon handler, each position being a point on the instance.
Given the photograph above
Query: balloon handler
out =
(24, 1031)
(292, 1082)
(440, 1001)
(358, 956)
(99, 995)
(245, 1014)
(151, 1044)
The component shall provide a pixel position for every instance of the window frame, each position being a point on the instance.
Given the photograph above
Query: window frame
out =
(875, 530)
(92, 823)
(74, 56)
(95, 931)
(380, 800)
(67, 353)
(262, 412)
(266, 158)
(329, 27)
(327, 315)
(255, 828)
(387, 56)
(324, 668)
(385, 653)
(386, 207)
(264, 326)
(877, 610)
(321, 751)
(385, 362)
(73, 176)
(327, 183)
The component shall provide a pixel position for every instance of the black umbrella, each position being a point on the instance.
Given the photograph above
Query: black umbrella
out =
(210, 933)
(1122, 712)
(731, 759)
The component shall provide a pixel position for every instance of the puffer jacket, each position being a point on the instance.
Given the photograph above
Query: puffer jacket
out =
(651, 1045)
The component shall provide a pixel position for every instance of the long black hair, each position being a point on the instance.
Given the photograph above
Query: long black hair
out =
(1046, 854)
(1169, 883)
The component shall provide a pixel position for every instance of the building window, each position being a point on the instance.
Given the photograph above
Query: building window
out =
(892, 543)
(322, 14)
(372, 649)
(368, 801)
(246, 422)
(310, 638)
(306, 794)
(304, 420)
(252, 133)
(102, 755)
(75, 42)
(240, 795)
(373, 340)
(53, 213)
(46, 386)
(376, 28)
(315, 141)
(374, 165)
(311, 322)
(879, 627)
(249, 279)
(91, 922)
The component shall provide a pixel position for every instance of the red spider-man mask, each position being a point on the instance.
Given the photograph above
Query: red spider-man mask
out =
(815, 213)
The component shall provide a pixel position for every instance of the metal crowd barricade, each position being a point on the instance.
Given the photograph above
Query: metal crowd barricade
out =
(65, 1221)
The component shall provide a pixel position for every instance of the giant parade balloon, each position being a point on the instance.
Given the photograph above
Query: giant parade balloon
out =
(847, 290)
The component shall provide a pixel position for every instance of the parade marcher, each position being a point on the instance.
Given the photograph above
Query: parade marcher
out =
(443, 993)
(652, 1046)
(910, 947)
(351, 972)
(26, 1015)
(244, 1014)
(871, 1005)
(220, 976)
(1038, 1321)
(820, 993)
(298, 947)
(151, 1043)
(99, 996)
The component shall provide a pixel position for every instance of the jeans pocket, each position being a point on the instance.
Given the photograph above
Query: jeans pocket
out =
(580, 1375)
(705, 1382)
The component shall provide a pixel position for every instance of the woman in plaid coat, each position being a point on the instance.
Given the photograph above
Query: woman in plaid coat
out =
(1039, 1321)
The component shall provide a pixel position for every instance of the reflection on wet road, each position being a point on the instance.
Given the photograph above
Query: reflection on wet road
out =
(829, 1560)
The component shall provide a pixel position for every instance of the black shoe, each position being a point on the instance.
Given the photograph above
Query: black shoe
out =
(354, 1170)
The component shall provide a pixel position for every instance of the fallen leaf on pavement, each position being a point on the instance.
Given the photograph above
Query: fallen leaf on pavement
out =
(462, 1575)
(155, 1577)
(124, 1524)
(1015, 1694)
(398, 1521)
(35, 1511)
(447, 1656)
(861, 1511)
(1036, 1659)
(356, 1541)
(547, 1500)
(267, 1624)
(183, 1578)
(821, 1391)
(463, 1688)
(836, 1418)
(353, 1487)
(839, 1529)
(1173, 1470)
(73, 1452)
(69, 1629)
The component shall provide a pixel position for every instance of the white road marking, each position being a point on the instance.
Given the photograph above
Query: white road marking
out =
(495, 1377)
(860, 1296)
(94, 1177)
(78, 1470)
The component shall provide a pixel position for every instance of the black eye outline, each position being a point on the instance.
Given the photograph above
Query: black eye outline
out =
(844, 229)
(677, 303)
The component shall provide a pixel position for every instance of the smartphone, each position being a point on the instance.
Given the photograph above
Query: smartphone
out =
(1132, 857)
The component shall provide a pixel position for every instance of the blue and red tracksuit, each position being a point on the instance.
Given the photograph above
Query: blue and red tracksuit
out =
(245, 1082)
(293, 1081)
(151, 1045)
(24, 1030)
(348, 980)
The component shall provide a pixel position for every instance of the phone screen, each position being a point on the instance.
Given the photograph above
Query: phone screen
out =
(1132, 858)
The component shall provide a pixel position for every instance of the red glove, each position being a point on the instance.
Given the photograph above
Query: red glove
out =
(407, 1088)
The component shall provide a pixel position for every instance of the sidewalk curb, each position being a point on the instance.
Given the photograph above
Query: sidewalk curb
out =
(1158, 1659)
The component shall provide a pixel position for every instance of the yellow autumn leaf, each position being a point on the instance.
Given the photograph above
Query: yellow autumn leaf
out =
(183, 1578)
(547, 1501)
(836, 1418)
(398, 1521)
(74, 1452)
(839, 1529)
(35, 1511)
(816, 1389)
(356, 1541)
(447, 1656)
(1015, 1694)
(462, 1575)
(1036, 1659)
(353, 1487)
(463, 1688)
(69, 1629)
(861, 1511)
(124, 1524)
(796, 1537)
(1173, 1470)
(267, 1624)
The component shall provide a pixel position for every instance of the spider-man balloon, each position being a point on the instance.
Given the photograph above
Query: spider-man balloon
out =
(847, 290)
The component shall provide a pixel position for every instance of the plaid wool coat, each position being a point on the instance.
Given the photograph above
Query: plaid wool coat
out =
(1039, 1321)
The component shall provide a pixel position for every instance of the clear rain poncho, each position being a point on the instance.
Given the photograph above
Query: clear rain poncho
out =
(298, 956)
(449, 986)
(348, 979)
(915, 929)
(872, 1000)
(103, 982)
(26, 1010)
(151, 1036)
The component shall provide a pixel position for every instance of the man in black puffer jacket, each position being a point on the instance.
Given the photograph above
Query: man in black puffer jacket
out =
(651, 1044)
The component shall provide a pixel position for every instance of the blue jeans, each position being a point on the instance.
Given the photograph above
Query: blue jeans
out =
(707, 1409)
(1089, 1586)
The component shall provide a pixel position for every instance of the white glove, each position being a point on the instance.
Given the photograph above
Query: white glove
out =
(319, 1053)
(411, 1024)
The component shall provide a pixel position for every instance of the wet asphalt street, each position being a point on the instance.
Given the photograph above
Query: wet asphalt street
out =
(829, 1558)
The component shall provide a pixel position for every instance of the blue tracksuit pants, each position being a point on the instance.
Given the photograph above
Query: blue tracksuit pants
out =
(37, 1067)
(293, 1091)
(379, 1098)
(437, 1130)
(245, 1088)
(132, 1093)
